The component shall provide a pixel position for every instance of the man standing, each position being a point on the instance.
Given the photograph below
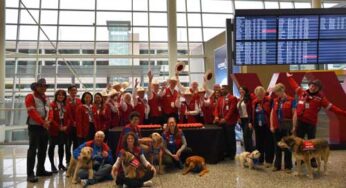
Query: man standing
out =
(37, 105)
(169, 98)
(226, 116)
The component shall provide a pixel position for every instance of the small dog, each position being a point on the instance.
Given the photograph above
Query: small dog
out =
(84, 161)
(248, 159)
(132, 166)
(154, 150)
(195, 164)
(305, 150)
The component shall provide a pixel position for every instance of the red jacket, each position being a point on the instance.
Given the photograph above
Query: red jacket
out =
(72, 109)
(155, 106)
(309, 104)
(227, 108)
(99, 118)
(124, 118)
(168, 100)
(82, 121)
(140, 108)
(286, 109)
(54, 118)
(112, 117)
(185, 108)
(30, 105)
(264, 104)
(208, 112)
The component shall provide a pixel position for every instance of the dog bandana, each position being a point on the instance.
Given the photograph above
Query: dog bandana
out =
(308, 145)
(135, 163)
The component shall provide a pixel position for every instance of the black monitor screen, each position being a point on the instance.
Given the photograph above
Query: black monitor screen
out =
(286, 36)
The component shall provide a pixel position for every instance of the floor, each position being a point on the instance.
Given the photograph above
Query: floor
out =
(225, 174)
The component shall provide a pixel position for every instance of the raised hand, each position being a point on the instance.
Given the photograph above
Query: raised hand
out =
(289, 74)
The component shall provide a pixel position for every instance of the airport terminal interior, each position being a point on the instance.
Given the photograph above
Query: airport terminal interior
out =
(210, 51)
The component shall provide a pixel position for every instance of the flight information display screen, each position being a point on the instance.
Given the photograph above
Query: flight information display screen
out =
(305, 36)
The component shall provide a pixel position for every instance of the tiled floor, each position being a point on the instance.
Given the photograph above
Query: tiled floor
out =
(225, 174)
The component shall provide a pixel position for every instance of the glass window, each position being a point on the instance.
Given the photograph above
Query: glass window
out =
(158, 34)
(194, 20)
(114, 4)
(193, 6)
(104, 17)
(78, 4)
(158, 19)
(216, 6)
(11, 16)
(49, 17)
(12, 3)
(181, 34)
(329, 5)
(76, 33)
(286, 5)
(26, 18)
(211, 33)
(28, 32)
(50, 3)
(77, 17)
(157, 5)
(181, 6)
(195, 34)
(196, 48)
(11, 32)
(140, 34)
(196, 65)
(248, 4)
(140, 19)
(181, 19)
(215, 20)
(271, 5)
(302, 5)
(140, 4)
(31, 3)
(51, 32)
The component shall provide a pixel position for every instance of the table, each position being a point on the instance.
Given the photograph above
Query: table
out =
(207, 142)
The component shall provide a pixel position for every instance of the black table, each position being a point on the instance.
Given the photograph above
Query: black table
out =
(206, 142)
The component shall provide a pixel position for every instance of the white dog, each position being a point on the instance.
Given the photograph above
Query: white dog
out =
(247, 159)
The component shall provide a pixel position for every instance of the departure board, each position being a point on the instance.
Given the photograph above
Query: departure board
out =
(285, 36)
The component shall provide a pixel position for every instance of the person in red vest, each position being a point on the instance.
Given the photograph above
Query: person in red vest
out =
(244, 107)
(154, 101)
(208, 107)
(189, 110)
(310, 102)
(140, 104)
(72, 102)
(282, 118)
(169, 97)
(37, 105)
(226, 115)
(85, 118)
(126, 108)
(112, 112)
(261, 106)
(98, 109)
(58, 129)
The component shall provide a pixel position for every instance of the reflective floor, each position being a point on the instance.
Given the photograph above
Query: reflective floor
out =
(225, 174)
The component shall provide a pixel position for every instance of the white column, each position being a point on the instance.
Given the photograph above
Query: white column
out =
(2, 70)
(172, 35)
(315, 3)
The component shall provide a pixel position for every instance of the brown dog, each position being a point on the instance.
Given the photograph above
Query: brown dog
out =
(132, 167)
(195, 164)
(154, 150)
(84, 161)
(305, 150)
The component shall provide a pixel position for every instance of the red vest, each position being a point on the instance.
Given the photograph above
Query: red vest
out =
(155, 106)
(99, 118)
(124, 118)
(54, 117)
(265, 105)
(126, 129)
(286, 109)
(308, 107)
(82, 122)
(90, 143)
(183, 109)
(72, 109)
(227, 108)
(178, 139)
(140, 108)
(208, 112)
(167, 100)
(112, 118)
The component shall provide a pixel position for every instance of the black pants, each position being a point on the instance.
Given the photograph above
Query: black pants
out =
(230, 141)
(71, 139)
(169, 161)
(136, 182)
(279, 134)
(59, 140)
(264, 143)
(247, 134)
(156, 120)
(166, 116)
(91, 131)
(309, 130)
(38, 141)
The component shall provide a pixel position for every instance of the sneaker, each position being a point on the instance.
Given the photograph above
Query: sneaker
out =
(148, 184)
(32, 179)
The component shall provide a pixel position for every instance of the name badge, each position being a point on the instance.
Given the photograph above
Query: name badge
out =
(172, 104)
(159, 108)
(300, 102)
(227, 108)
(307, 105)
(260, 123)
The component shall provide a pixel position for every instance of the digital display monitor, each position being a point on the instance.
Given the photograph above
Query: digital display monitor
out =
(286, 36)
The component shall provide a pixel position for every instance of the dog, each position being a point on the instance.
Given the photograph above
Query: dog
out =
(248, 159)
(154, 150)
(195, 164)
(132, 166)
(305, 150)
(84, 161)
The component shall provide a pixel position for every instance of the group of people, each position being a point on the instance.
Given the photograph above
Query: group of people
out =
(68, 120)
